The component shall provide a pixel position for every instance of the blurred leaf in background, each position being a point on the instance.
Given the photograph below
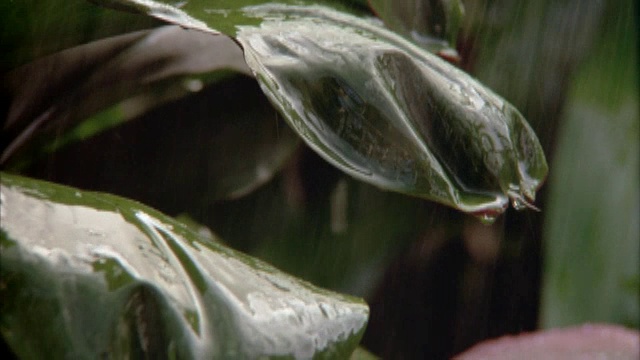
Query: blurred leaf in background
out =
(592, 227)
(72, 95)
(33, 28)
(221, 142)
(432, 24)
(572, 68)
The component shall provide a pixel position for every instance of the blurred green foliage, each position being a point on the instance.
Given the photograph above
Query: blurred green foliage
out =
(592, 229)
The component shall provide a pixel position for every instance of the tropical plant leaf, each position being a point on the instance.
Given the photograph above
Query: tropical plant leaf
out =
(378, 107)
(432, 24)
(114, 278)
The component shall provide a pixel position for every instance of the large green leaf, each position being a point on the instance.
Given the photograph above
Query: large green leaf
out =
(376, 106)
(117, 279)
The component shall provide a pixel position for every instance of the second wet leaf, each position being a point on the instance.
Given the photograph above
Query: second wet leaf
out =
(391, 114)
(378, 107)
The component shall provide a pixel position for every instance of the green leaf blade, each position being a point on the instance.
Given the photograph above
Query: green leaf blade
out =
(384, 110)
(119, 279)
(390, 114)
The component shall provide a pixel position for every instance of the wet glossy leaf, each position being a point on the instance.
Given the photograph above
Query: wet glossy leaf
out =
(152, 67)
(432, 24)
(114, 278)
(380, 108)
